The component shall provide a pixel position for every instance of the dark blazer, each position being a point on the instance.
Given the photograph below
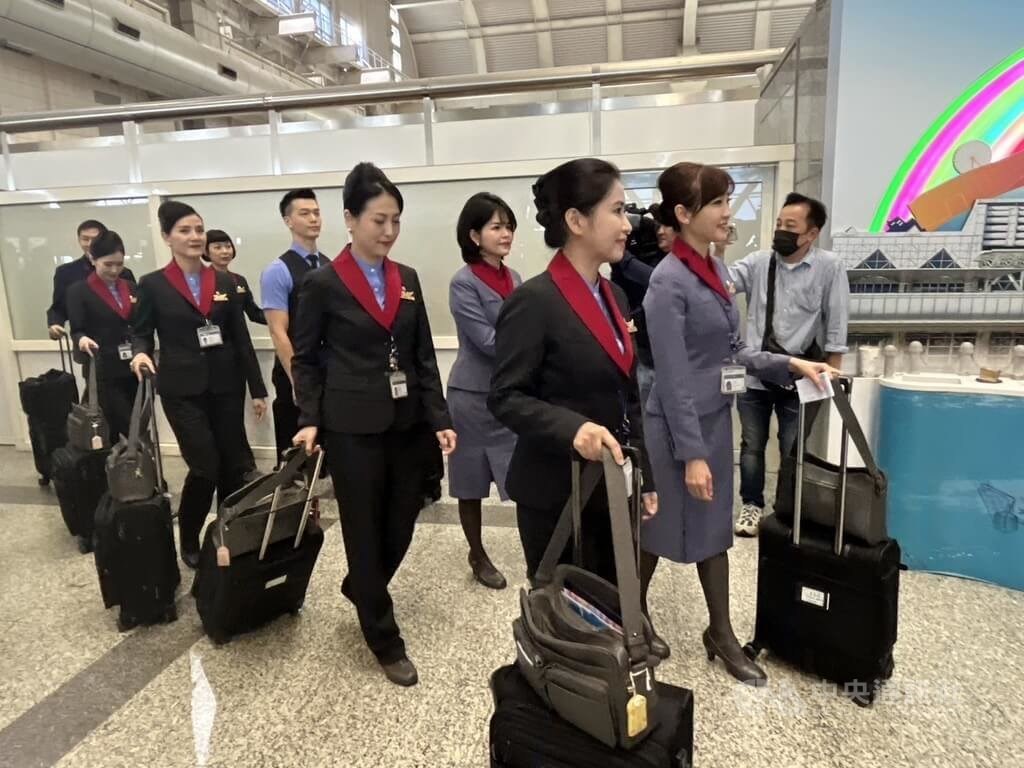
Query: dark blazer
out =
(91, 316)
(64, 277)
(244, 294)
(550, 377)
(341, 360)
(185, 369)
(475, 307)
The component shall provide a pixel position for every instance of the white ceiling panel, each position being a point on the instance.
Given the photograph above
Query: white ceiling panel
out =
(784, 24)
(651, 39)
(510, 52)
(569, 9)
(725, 32)
(650, 5)
(445, 57)
(580, 46)
(503, 11)
(433, 18)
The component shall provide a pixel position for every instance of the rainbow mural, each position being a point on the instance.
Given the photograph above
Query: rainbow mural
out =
(991, 110)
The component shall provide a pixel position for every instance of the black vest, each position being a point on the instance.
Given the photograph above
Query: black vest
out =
(298, 268)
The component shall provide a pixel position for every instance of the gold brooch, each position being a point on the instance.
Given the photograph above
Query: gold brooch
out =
(133, 299)
(631, 326)
(218, 296)
(408, 295)
(240, 289)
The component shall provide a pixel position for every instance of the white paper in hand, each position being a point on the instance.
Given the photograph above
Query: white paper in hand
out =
(809, 393)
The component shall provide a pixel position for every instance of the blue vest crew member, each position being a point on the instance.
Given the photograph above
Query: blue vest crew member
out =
(206, 359)
(367, 386)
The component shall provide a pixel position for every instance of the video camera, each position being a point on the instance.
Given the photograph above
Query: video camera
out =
(643, 240)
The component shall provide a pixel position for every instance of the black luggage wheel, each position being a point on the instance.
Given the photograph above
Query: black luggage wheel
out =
(125, 625)
(84, 544)
(43, 481)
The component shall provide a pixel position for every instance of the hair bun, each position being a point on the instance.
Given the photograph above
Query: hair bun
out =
(542, 202)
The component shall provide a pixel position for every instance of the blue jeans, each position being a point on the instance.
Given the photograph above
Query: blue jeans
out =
(755, 407)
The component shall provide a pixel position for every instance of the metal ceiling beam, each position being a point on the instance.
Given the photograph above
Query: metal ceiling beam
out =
(614, 10)
(476, 41)
(688, 41)
(762, 28)
(524, 81)
(545, 46)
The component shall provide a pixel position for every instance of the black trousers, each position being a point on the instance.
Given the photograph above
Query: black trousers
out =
(378, 481)
(116, 398)
(597, 554)
(210, 430)
(286, 414)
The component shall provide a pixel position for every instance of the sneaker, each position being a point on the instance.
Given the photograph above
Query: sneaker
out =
(748, 520)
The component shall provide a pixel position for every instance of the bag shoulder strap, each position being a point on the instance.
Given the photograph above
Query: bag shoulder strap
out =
(853, 427)
(92, 402)
(588, 480)
(769, 308)
(248, 496)
(141, 412)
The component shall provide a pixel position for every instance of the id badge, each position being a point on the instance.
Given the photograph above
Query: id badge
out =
(209, 336)
(124, 351)
(399, 385)
(627, 470)
(734, 380)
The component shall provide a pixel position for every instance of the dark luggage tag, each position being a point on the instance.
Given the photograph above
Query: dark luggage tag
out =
(734, 380)
(124, 351)
(209, 336)
(399, 385)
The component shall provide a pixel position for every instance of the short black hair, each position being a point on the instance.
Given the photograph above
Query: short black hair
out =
(105, 244)
(296, 194)
(91, 224)
(218, 236)
(579, 184)
(477, 211)
(817, 213)
(365, 182)
(171, 212)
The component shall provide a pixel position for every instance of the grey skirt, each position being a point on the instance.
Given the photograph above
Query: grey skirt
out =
(484, 447)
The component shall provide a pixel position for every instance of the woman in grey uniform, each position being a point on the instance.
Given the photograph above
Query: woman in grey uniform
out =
(701, 362)
(485, 231)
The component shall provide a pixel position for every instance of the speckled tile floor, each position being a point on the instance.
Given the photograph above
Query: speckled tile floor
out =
(306, 692)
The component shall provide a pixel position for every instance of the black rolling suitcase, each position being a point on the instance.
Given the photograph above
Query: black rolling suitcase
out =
(136, 560)
(824, 604)
(258, 556)
(80, 480)
(46, 400)
(524, 733)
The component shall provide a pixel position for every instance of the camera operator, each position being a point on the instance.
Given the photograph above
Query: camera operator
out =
(646, 247)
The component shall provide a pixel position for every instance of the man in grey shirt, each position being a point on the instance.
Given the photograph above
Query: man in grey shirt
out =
(811, 309)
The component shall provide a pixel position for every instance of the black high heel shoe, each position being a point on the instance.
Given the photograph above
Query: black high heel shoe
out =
(736, 662)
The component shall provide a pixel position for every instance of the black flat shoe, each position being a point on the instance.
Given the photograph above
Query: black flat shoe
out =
(401, 672)
(485, 573)
(189, 558)
(736, 662)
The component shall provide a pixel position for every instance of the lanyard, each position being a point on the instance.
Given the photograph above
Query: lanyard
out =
(392, 354)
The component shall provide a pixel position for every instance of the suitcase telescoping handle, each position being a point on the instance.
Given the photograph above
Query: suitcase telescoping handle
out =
(64, 342)
(577, 500)
(844, 386)
(276, 499)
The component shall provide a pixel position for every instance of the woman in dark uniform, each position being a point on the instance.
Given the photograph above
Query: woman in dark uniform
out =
(100, 310)
(206, 358)
(367, 384)
(564, 369)
(694, 328)
(220, 252)
(485, 231)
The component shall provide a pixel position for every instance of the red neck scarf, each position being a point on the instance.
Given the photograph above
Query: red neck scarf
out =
(207, 284)
(576, 291)
(703, 267)
(100, 289)
(352, 276)
(498, 280)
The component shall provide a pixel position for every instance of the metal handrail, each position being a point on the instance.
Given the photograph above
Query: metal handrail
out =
(707, 65)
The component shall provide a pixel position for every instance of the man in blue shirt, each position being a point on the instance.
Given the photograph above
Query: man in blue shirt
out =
(811, 311)
(279, 292)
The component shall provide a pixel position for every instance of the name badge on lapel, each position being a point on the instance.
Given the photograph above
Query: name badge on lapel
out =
(209, 336)
(124, 351)
(399, 385)
(734, 380)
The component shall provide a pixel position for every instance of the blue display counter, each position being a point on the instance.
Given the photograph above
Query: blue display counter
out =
(953, 449)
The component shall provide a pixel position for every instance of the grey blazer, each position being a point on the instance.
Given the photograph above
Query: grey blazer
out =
(694, 333)
(475, 308)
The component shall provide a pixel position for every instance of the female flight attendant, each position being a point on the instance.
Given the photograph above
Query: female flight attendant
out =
(700, 359)
(564, 369)
(220, 252)
(100, 310)
(484, 233)
(206, 357)
(366, 383)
